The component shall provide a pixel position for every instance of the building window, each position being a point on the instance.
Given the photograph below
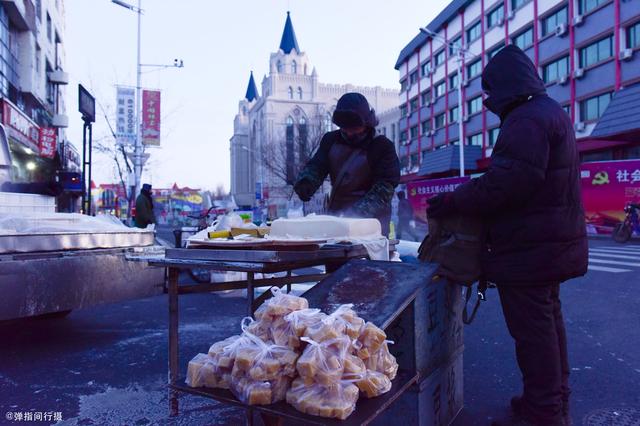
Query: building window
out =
(414, 132)
(555, 70)
(279, 66)
(454, 142)
(403, 110)
(515, 4)
(493, 136)
(39, 10)
(403, 136)
(294, 67)
(474, 105)
(596, 52)
(426, 126)
(495, 17)
(413, 104)
(38, 58)
(525, 39)
(494, 51)
(290, 92)
(303, 153)
(403, 85)
(438, 121)
(586, 6)
(474, 32)
(633, 36)
(426, 97)
(474, 69)
(441, 89)
(415, 160)
(440, 56)
(475, 140)
(550, 23)
(299, 92)
(413, 77)
(591, 109)
(426, 67)
(453, 114)
(453, 81)
(455, 45)
(49, 29)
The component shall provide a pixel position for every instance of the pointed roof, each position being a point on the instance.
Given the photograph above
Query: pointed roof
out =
(252, 90)
(289, 41)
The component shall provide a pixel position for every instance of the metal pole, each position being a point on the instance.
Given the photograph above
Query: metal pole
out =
(90, 162)
(137, 156)
(460, 118)
(84, 168)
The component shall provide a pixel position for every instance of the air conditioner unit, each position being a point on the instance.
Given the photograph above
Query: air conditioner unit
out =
(511, 15)
(578, 73)
(577, 20)
(579, 126)
(626, 54)
(563, 79)
(561, 29)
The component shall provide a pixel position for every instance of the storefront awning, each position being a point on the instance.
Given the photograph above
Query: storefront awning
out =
(448, 158)
(621, 119)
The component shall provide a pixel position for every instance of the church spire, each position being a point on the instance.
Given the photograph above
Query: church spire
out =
(252, 90)
(289, 41)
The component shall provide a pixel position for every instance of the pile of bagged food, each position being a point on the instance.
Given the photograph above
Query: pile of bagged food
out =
(318, 363)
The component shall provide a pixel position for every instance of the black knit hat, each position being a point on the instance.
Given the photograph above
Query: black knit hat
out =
(353, 110)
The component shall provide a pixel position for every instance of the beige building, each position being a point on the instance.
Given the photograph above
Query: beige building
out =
(277, 130)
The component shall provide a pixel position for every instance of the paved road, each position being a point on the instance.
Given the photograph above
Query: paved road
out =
(107, 365)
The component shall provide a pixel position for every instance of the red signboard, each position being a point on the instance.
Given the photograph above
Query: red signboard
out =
(19, 126)
(47, 143)
(151, 117)
(607, 186)
(420, 191)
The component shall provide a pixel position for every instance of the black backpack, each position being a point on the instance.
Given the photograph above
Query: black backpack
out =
(456, 243)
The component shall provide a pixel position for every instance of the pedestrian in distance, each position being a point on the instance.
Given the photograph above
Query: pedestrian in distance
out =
(405, 216)
(363, 167)
(144, 207)
(530, 201)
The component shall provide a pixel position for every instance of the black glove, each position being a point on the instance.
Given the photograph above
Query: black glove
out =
(304, 189)
(441, 205)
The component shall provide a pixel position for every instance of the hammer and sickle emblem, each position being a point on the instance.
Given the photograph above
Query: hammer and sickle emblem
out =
(601, 178)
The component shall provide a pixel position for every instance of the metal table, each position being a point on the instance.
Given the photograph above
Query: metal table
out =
(382, 292)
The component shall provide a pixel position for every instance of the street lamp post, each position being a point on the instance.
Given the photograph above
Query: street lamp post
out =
(461, 53)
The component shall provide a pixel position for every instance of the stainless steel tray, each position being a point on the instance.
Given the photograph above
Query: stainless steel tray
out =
(51, 241)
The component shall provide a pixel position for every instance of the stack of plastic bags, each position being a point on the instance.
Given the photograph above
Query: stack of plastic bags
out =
(319, 363)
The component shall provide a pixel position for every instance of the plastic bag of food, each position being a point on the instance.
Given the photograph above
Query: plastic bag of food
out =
(256, 392)
(264, 361)
(353, 367)
(334, 401)
(200, 372)
(323, 362)
(369, 341)
(383, 361)
(279, 305)
(374, 384)
(343, 320)
(288, 330)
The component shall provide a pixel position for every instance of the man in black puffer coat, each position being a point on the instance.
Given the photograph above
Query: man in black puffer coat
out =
(536, 239)
(363, 167)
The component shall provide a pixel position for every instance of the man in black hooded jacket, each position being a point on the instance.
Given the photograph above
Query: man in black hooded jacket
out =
(530, 199)
(364, 168)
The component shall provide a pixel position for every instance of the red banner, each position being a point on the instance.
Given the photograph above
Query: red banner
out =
(607, 186)
(19, 125)
(47, 142)
(151, 117)
(420, 191)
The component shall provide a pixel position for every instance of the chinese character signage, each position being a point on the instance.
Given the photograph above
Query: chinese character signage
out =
(607, 186)
(420, 191)
(47, 141)
(19, 126)
(125, 116)
(151, 117)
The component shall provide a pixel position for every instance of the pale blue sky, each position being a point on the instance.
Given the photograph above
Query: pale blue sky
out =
(348, 41)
